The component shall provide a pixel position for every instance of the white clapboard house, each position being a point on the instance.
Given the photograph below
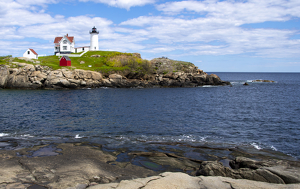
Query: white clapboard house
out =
(64, 45)
(30, 53)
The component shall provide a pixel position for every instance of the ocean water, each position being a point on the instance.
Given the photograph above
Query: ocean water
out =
(258, 117)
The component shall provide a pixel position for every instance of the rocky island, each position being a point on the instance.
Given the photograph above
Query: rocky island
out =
(120, 70)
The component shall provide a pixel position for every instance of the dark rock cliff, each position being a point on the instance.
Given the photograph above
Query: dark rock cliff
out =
(167, 73)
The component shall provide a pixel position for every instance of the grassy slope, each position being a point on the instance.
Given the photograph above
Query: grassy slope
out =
(109, 61)
(95, 63)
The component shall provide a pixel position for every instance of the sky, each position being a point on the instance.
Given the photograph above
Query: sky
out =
(215, 35)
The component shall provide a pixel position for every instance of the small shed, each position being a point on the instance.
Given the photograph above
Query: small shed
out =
(65, 61)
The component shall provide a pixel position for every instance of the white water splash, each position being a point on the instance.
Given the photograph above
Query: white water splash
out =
(273, 148)
(209, 86)
(256, 146)
(26, 135)
(77, 136)
(3, 134)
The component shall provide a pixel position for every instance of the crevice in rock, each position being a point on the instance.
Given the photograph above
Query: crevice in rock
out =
(24, 166)
(161, 176)
(274, 175)
(229, 184)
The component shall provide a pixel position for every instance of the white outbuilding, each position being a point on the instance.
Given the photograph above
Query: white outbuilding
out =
(30, 53)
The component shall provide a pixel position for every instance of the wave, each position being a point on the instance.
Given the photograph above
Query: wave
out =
(155, 138)
(256, 146)
(77, 136)
(273, 148)
(208, 86)
(3, 134)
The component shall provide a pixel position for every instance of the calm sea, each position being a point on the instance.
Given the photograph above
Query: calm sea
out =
(260, 116)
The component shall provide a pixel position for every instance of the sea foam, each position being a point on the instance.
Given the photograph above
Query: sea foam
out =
(3, 134)
(77, 136)
(256, 146)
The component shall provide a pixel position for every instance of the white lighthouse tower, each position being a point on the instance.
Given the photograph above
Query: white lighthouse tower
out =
(94, 39)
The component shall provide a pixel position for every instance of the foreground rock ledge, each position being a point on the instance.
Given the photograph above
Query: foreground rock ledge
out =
(82, 165)
(28, 76)
(169, 180)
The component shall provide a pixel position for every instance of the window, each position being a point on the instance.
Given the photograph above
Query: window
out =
(64, 47)
(83, 48)
(28, 52)
(65, 41)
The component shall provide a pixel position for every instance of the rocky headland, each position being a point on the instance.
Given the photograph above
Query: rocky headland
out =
(164, 73)
(83, 165)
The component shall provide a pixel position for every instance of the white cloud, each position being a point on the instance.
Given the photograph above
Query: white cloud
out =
(213, 36)
(15, 14)
(123, 3)
(75, 26)
(252, 11)
(192, 28)
(9, 33)
(36, 2)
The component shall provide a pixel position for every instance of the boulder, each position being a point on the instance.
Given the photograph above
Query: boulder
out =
(245, 168)
(68, 73)
(243, 162)
(4, 72)
(115, 76)
(96, 76)
(18, 81)
(115, 79)
(54, 75)
(96, 55)
(80, 74)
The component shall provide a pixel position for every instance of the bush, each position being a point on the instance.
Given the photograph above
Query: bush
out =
(134, 63)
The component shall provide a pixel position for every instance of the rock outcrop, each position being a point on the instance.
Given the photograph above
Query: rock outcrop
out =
(28, 76)
(272, 171)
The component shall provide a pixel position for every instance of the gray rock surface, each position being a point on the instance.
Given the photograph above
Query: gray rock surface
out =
(28, 76)
(82, 165)
(73, 166)
(272, 171)
(169, 180)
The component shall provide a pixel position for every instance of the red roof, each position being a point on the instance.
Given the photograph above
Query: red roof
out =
(57, 39)
(33, 51)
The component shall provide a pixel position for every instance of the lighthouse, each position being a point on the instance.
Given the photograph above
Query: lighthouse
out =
(94, 39)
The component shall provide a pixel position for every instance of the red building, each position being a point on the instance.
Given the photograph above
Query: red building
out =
(65, 61)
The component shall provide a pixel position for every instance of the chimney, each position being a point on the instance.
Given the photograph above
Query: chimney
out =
(67, 35)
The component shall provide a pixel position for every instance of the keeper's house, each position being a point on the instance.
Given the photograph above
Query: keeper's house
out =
(64, 45)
